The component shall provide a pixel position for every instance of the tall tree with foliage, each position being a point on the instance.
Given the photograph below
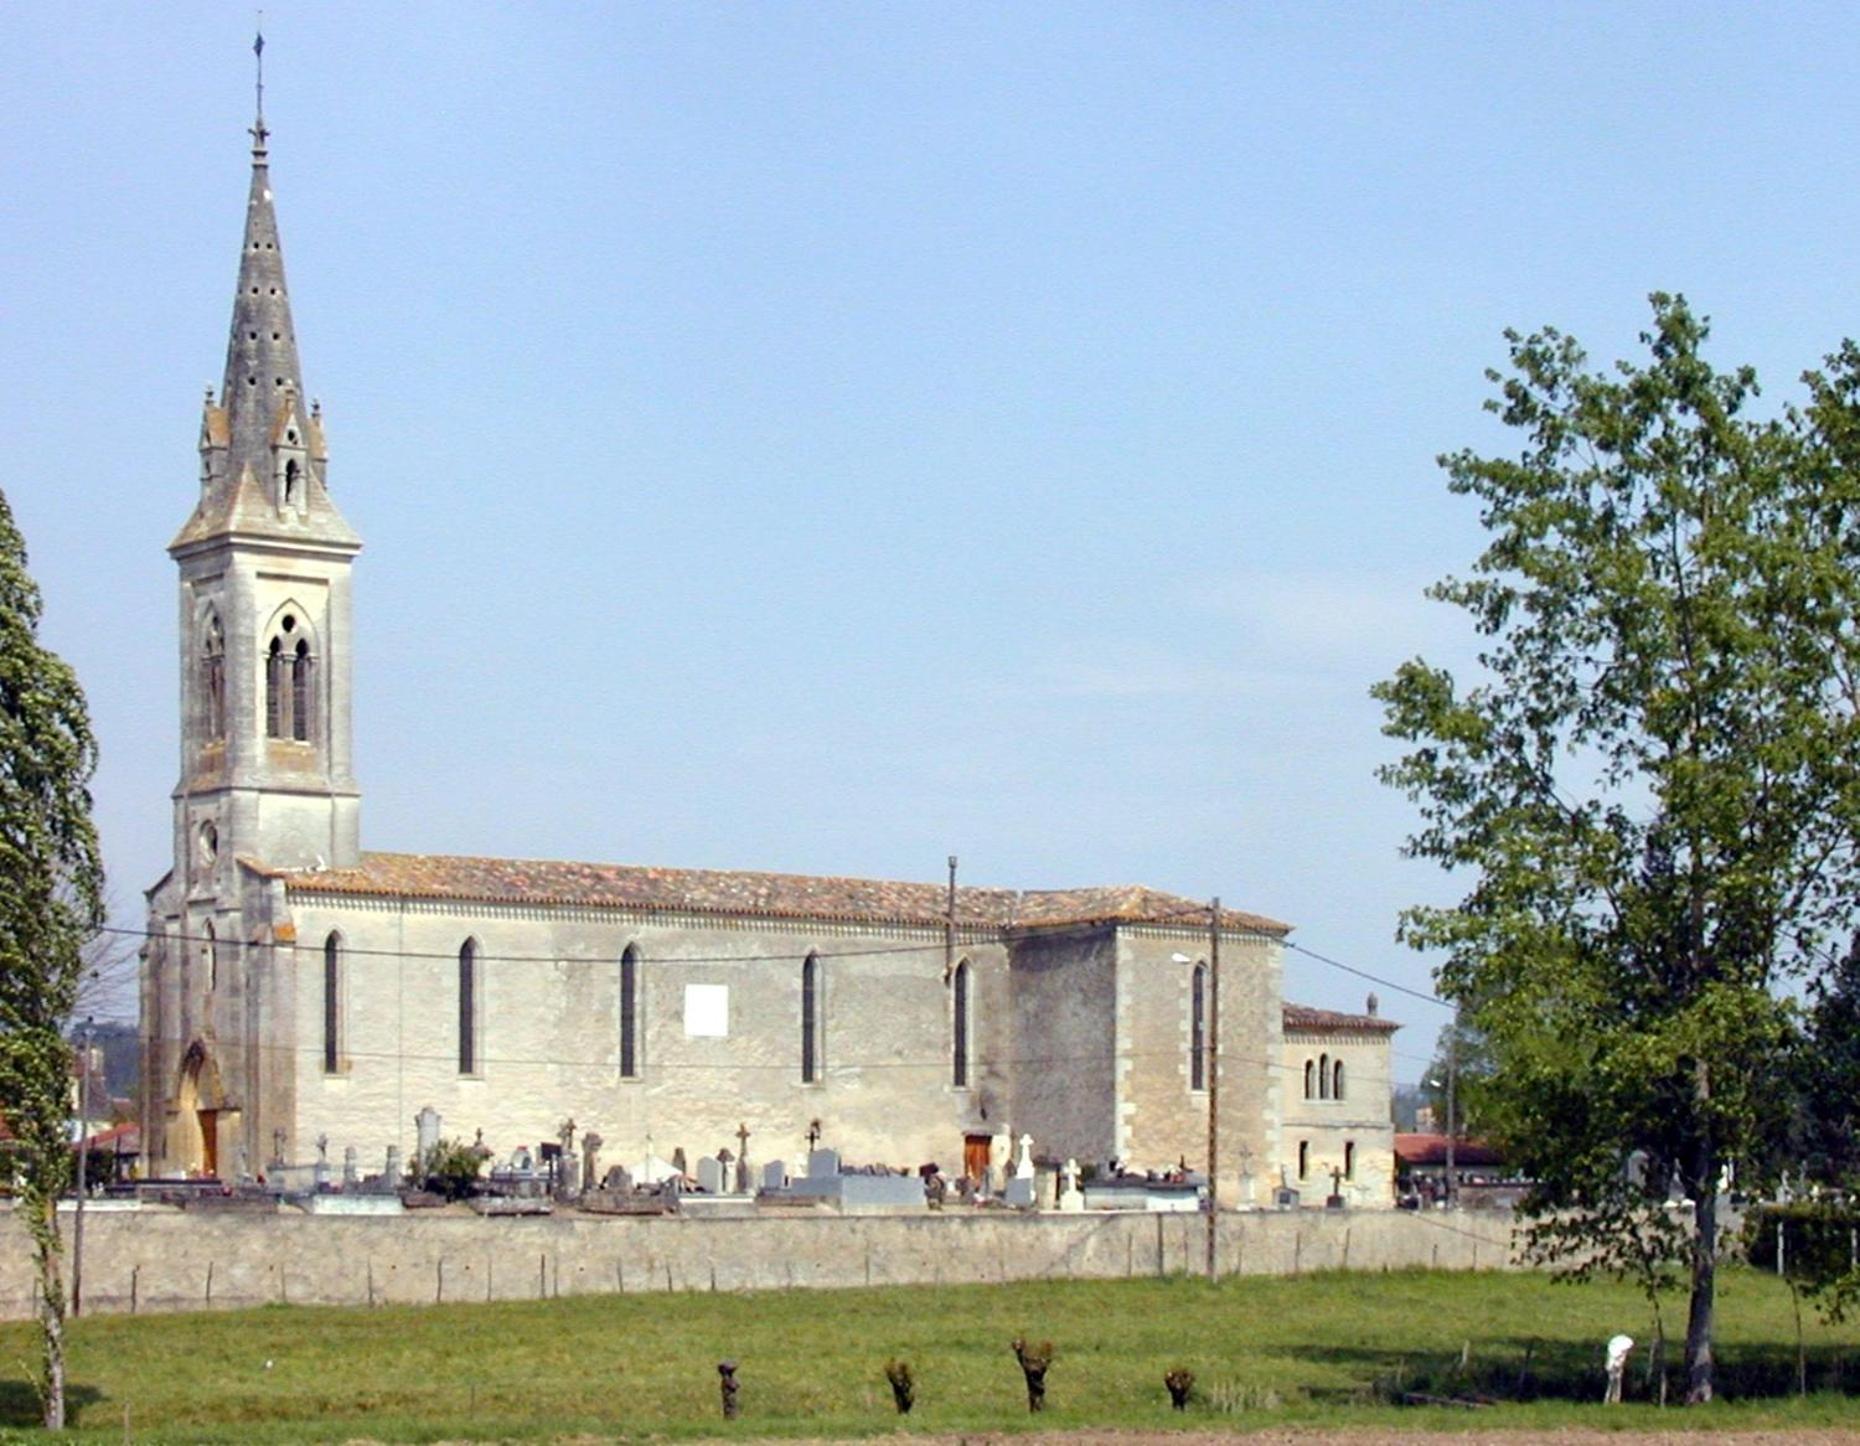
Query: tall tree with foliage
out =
(1653, 783)
(51, 903)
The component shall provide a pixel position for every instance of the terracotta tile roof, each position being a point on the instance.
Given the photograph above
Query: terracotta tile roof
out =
(733, 891)
(1329, 1021)
(1425, 1149)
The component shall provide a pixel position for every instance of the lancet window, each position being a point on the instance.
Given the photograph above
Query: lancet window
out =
(290, 682)
(629, 1013)
(810, 1020)
(959, 1029)
(213, 678)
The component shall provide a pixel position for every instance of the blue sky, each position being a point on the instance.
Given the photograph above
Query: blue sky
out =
(824, 438)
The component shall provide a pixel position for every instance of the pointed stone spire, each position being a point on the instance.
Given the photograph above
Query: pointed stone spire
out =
(262, 370)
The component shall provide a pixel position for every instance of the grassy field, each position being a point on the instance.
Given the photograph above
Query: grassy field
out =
(1326, 1350)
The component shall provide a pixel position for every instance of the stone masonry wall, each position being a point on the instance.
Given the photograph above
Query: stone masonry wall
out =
(162, 1261)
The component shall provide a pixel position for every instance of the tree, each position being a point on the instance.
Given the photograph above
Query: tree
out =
(51, 904)
(1654, 783)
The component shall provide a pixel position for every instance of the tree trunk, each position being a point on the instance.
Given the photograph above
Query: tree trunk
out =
(1704, 1189)
(51, 1318)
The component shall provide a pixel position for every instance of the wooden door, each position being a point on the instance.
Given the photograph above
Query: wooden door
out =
(210, 1143)
(975, 1150)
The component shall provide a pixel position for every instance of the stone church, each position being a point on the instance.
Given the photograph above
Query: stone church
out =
(298, 990)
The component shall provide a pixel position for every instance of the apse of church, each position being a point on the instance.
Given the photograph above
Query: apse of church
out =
(304, 997)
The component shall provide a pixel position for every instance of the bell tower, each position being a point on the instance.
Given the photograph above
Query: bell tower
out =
(265, 622)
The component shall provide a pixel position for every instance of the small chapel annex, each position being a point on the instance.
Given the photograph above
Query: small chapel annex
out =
(295, 987)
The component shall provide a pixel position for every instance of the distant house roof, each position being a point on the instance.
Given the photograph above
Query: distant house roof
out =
(1329, 1021)
(1414, 1148)
(732, 891)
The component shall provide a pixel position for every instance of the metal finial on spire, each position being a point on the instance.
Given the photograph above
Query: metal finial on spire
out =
(258, 53)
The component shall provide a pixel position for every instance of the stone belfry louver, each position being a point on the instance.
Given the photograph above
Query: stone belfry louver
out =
(266, 771)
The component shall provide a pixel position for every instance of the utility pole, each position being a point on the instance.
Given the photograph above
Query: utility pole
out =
(1214, 1076)
(1453, 1124)
(77, 1223)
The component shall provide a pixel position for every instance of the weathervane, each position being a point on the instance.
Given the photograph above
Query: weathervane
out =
(258, 52)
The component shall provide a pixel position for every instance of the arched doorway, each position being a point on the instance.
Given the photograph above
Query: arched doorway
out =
(194, 1140)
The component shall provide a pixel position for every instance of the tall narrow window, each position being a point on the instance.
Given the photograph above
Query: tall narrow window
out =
(629, 1013)
(1310, 1079)
(468, 1007)
(1349, 1159)
(959, 1029)
(1323, 1076)
(274, 689)
(300, 692)
(810, 1019)
(213, 678)
(290, 483)
(210, 959)
(1304, 1158)
(1198, 1029)
(332, 1004)
(1336, 1080)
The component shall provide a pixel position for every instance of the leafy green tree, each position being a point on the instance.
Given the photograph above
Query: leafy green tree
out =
(51, 904)
(1653, 783)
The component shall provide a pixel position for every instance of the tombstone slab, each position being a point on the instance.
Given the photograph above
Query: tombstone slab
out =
(710, 1175)
(822, 1164)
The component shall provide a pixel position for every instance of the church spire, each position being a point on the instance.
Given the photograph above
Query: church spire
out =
(262, 371)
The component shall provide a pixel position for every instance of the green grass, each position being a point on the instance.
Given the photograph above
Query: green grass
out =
(1326, 1350)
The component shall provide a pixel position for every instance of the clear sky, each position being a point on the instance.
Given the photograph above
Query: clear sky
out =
(827, 437)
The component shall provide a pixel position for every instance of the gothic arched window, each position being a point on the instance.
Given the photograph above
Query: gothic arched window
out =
(1310, 1079)
(1323, 1076)
(274, 689)
(290, 683)
(213, 678)
(1198, 1028)
(959, 1029)
(1336, 1080)
(300, 692)
(629, 1013)
(332, 1003)
(210, 959)
(468, 1007)
(810, 1019)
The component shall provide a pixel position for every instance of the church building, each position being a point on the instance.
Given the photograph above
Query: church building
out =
(299, 992)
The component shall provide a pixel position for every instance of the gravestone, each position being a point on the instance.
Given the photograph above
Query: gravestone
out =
(390, 1172)
(1071, 1198)
(774, 1175)
(710, 1173)
(822, 1163)
(1018, 1193)
(1023, 1164)
(426, 1127)
(618, 1180)
(351, 1167)
(590, 1158)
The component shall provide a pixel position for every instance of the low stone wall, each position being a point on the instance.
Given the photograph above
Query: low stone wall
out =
(166, 1261)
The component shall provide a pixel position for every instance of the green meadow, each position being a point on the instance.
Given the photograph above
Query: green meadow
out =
(1416, 1348)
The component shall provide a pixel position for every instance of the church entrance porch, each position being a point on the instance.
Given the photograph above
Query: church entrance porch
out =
(199, 1112)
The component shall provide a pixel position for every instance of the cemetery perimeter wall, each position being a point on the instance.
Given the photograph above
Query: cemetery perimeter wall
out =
(149, 1261)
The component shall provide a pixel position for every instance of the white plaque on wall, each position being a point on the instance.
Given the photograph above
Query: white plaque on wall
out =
(707, 1011)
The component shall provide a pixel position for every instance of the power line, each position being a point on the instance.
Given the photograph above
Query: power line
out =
(1423, 996)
